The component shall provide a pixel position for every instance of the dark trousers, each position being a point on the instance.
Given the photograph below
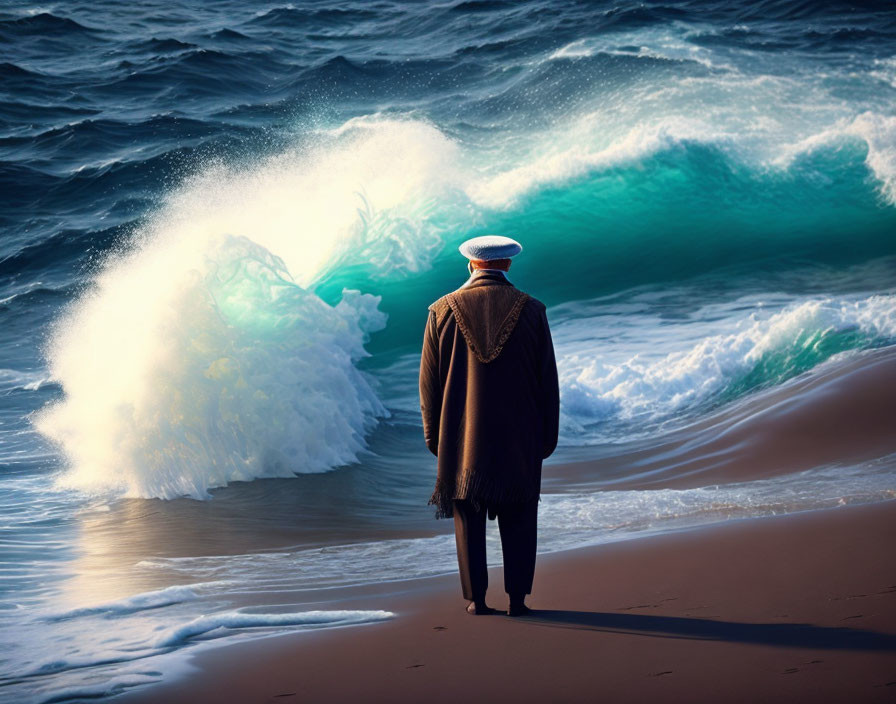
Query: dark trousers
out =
(517, 524)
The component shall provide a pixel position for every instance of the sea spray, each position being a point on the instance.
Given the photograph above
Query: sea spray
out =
(199, 357)
(240, 374)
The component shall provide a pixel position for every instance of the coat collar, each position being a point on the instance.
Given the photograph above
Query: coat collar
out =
(486, 278)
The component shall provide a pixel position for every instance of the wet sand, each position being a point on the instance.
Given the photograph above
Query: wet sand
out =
(798, 608)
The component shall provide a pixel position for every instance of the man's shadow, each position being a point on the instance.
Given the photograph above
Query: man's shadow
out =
(785, 635)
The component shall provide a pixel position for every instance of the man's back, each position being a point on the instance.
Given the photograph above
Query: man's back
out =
(489, 393)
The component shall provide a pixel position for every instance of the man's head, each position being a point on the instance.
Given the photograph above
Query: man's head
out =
(490, 252)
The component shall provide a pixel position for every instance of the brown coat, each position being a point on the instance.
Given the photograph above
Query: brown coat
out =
(488, 393)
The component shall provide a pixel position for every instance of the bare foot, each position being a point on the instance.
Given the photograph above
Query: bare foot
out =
(480, 609)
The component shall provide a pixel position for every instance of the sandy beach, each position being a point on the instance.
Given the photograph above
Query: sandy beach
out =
(799, 608)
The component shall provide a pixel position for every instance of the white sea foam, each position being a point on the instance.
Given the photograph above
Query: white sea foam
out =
(599, 141)
(205, 625)
(876, 132)
(138, 602)
(740, 103)
(202, 357)
(655, 381)
(575, 158)
(106, 658)
(232, 372)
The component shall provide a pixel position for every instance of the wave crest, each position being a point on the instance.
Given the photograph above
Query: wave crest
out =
(201, 358)
(760, 351)
(240, 374)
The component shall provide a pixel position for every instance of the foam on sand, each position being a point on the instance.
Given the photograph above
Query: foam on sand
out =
(205, 625)
(146, 600)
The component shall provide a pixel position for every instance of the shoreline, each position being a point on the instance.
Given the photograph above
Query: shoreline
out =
(743, 610)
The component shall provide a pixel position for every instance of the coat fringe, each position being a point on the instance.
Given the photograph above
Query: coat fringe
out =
(480, 489)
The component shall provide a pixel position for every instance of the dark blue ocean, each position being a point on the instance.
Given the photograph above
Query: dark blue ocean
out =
(221, 225)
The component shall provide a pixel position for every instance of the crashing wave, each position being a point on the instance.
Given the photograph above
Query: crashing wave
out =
(759, 350)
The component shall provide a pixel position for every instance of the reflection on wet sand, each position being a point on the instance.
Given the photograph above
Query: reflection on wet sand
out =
(345, 506)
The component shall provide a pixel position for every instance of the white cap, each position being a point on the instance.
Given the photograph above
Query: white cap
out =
(490, 247)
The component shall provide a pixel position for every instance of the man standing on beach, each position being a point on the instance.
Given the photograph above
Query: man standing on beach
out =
(491, 404)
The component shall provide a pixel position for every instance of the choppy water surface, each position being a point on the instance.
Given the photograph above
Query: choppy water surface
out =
(221, 226)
